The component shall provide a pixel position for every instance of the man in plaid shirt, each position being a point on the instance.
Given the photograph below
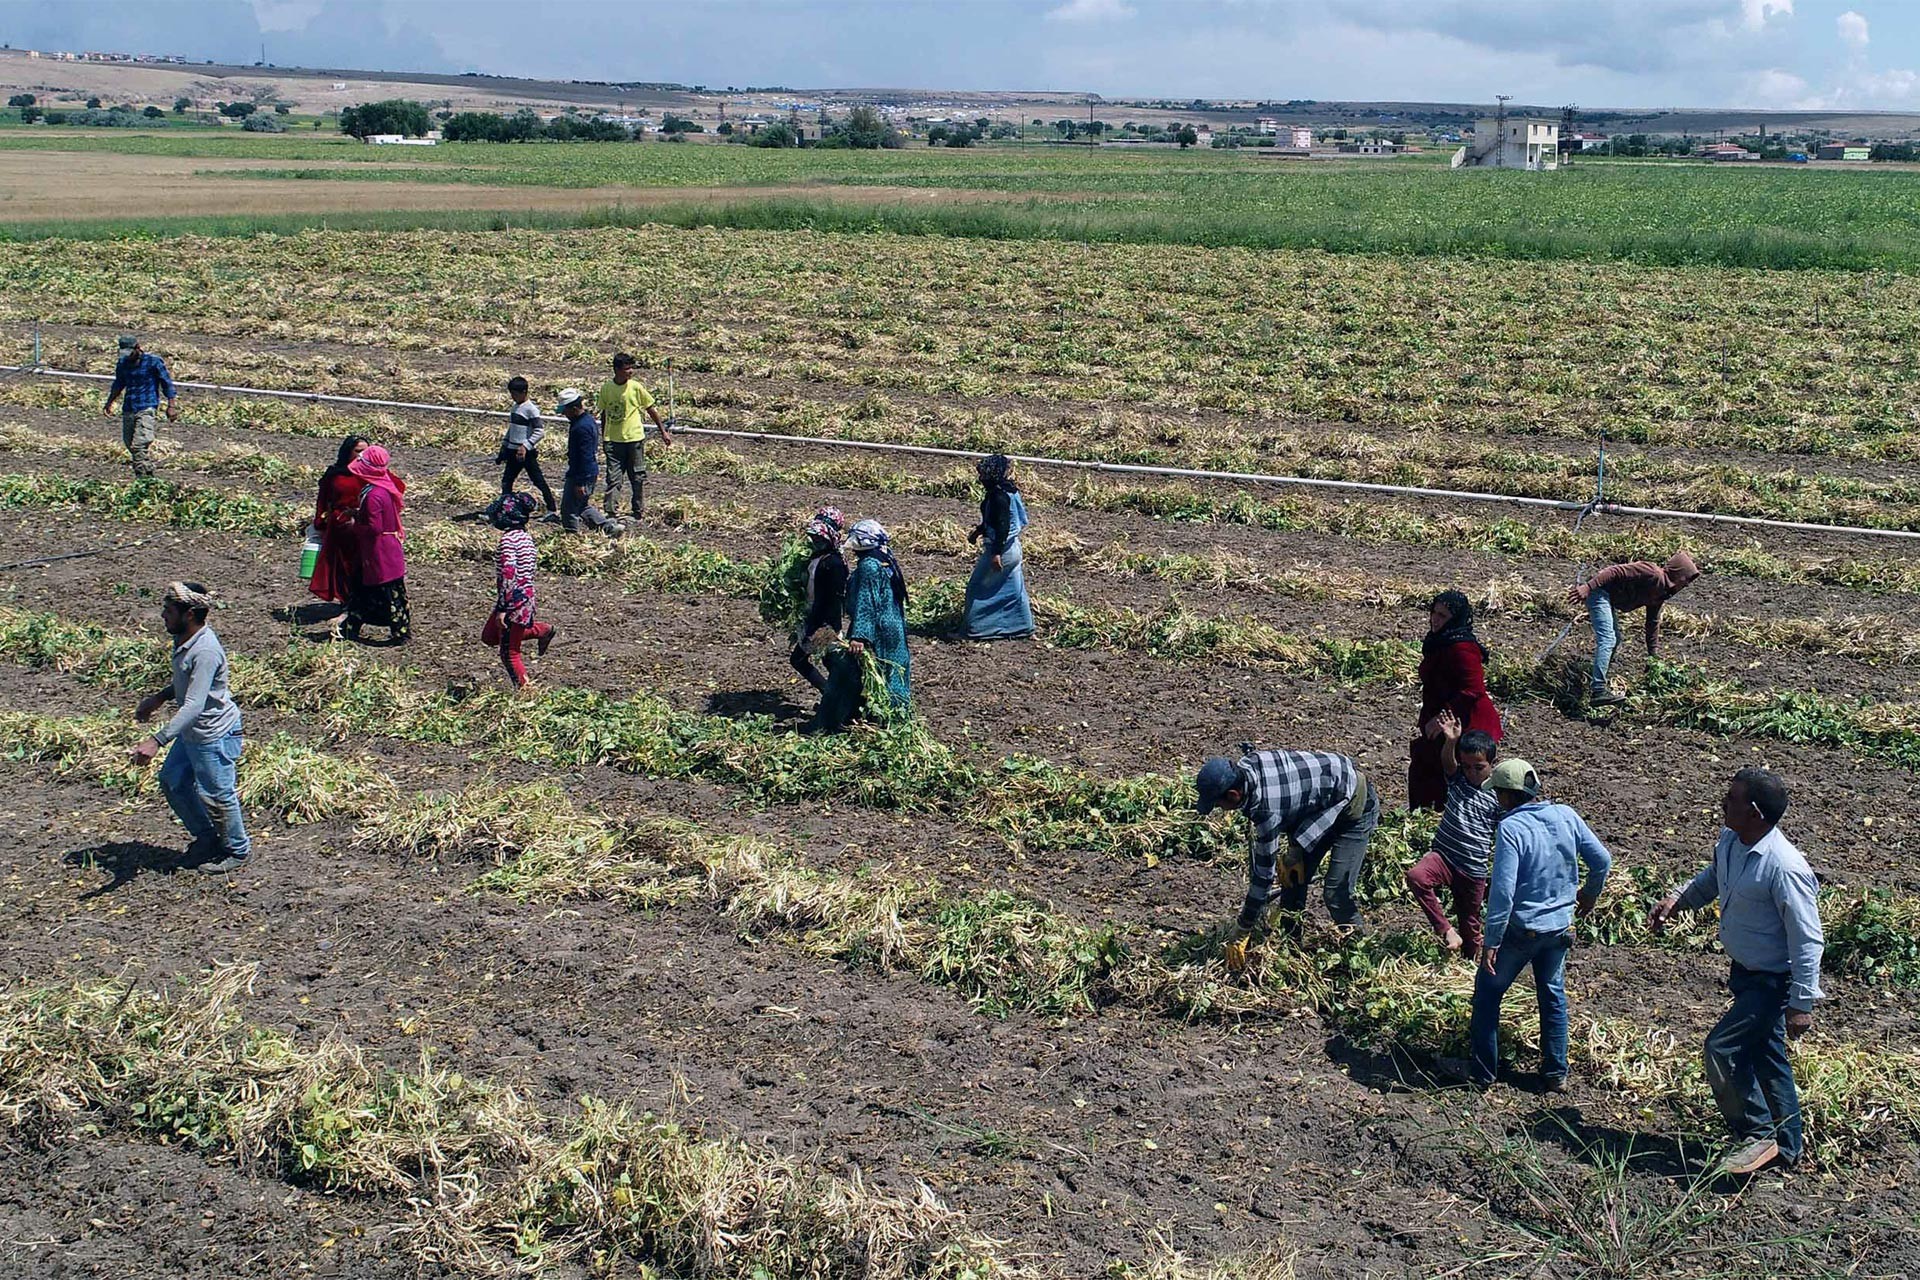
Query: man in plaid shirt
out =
(1325, 807)
(143, 378)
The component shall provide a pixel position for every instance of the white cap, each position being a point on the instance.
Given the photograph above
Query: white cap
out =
(570, 396)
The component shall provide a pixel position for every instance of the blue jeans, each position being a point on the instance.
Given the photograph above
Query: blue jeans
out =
(1747, 1064)
(1547, 953)
(197, 775)
(1605, 636)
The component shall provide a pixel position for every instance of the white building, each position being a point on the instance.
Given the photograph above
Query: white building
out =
(1516, 143)
(1203, 136)
(1266, 124)
(1300, 137)
(398, 140)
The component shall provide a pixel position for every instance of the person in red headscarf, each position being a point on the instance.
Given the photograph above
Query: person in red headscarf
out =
(337, 570)
(1453, 677)
(381, 597)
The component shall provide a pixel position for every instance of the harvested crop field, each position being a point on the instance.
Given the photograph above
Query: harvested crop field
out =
(627, 973)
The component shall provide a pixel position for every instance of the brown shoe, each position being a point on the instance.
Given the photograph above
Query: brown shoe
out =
(1749, 1158)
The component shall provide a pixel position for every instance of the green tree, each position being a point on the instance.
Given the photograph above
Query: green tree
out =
(864, 130)
(240, 110)
(937, 135)
(1066, 129)
(1186, 137)
(154, 113)
(30, 114)
(180, 105)
(779, 134)
(392, 115)
(93, 104)
(22, 100)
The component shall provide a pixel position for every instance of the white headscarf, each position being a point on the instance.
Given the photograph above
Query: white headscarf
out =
(867, 536)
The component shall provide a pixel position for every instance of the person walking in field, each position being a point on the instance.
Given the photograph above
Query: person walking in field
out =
(381, 595)
(1770, 930)
(583, 468)
(142, 379)
(1324, 807)
(997, 607)
(1621, 588)
(520, 451)
(1463, 845)
(622, 401)
(876, 608)
(1453, 681)
(1535, 890)
(204, 735)
(513, 601)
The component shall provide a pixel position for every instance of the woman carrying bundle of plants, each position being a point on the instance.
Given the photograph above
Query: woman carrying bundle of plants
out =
(878, 609)
(824, 587)
(336, 573)
(381, 597)
(997, 607)
(1453, 677)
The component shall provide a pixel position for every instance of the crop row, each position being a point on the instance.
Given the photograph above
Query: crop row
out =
(493, 1184)
(1871, 638)
(1672, 695)
(1457, 346)
(1363, 520)
(1160, 440)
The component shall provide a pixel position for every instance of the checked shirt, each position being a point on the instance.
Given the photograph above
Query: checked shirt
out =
(1300, 794)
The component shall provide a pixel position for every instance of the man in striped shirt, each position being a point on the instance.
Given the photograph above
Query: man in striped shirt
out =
(1327, 811)
(143, 378)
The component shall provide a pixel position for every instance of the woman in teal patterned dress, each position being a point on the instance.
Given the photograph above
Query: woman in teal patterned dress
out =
(877, 603)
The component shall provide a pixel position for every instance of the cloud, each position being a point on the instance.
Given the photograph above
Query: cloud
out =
(1091, 11)
(1776, 88)
(1756, 14)
(1853, 31)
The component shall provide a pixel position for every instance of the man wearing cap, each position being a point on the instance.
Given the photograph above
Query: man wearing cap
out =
(1321, 803)
(142, 377)
(1770, 929)
(583, 467)
(621, 401)
(205, 733)
(1533, 894)
(1622, 588)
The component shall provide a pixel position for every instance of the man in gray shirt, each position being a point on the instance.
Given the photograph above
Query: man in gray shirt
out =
(520, 451)
(1770, 928)
(205, 733)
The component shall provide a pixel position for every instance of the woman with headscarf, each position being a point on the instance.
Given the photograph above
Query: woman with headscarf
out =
(877, 605)
(382, 595)
(1453, 677)
(826, 590)
(513, 598)
(997, 607)
(335, 572)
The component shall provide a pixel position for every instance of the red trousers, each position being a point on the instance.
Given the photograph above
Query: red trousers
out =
(512, 636)
(1431, 874)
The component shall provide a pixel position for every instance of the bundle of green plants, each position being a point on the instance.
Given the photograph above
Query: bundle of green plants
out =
(154, 501)
(486, 1181)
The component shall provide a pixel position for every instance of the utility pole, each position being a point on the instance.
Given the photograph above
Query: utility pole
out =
(1567, 116)
(1500, 131)
(1093, 139)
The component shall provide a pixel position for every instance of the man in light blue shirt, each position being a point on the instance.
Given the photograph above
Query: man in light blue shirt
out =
(1534, 890)
(1770, 928)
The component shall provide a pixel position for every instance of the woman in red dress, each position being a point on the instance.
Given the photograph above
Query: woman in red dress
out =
(336, 573)
(1453, 677)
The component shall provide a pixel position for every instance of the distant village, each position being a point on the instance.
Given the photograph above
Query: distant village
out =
(773, 117)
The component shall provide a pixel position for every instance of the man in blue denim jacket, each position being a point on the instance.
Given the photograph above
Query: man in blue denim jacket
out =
(1770, 928)
(1535, 888)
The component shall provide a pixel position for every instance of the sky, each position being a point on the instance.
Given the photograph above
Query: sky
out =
(1781, 54)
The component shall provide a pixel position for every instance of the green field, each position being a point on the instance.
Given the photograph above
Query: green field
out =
(1656, 213)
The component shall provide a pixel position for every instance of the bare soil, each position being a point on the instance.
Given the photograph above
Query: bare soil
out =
(1079, 1140)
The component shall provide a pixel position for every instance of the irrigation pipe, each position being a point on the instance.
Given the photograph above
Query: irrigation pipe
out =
(1116, 468)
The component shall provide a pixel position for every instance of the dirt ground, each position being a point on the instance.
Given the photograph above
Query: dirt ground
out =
(1079, 1141)
(49, 185)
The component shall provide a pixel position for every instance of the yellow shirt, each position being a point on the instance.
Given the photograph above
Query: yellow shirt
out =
(620, 410)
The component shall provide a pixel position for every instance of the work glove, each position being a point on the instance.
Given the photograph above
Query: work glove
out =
(1293, 870)
(1234, 949)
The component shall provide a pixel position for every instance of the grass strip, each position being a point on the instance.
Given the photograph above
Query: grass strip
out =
(492, 1184)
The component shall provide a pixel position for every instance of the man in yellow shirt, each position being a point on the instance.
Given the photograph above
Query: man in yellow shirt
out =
(622, 401)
